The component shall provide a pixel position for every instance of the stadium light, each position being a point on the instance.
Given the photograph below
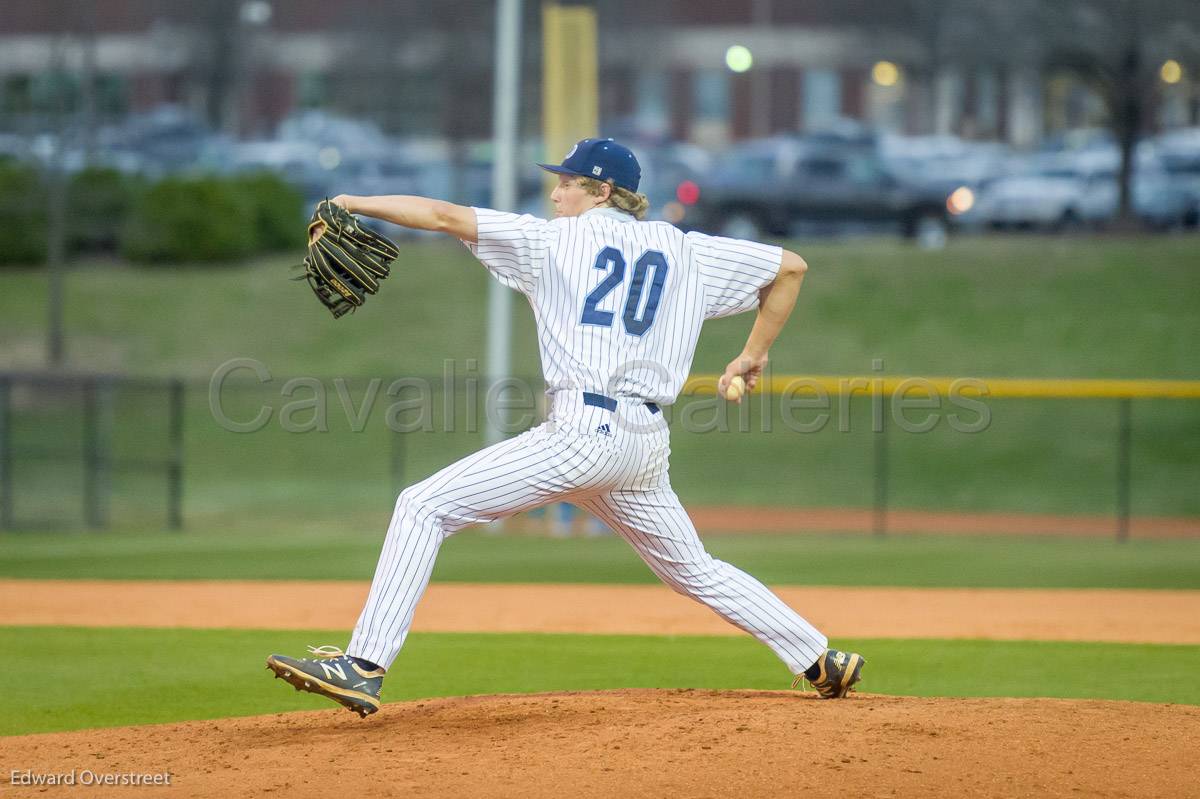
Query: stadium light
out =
(885, 73)
(738, 58)
(1171, 71)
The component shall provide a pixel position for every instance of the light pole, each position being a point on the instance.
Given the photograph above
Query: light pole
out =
(505, 104)
(254, 16)
(56, 196)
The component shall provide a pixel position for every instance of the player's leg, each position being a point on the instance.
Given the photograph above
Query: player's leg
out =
(659, 529)
(513, 476)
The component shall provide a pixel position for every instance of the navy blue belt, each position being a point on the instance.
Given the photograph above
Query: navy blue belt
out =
(608, 403)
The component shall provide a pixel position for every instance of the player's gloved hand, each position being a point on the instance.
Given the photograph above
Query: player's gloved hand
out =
(748, 366)
(345, 260)
(316, 230)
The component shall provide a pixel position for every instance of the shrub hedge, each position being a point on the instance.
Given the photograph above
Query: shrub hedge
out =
(22, 215)
(189, 219)
(277, 211)
(98, 201)
(173, 220)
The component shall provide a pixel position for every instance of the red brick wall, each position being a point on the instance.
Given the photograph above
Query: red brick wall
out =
(854, 92)
(785, 99)
(740, 99)
(680, 98)
(270, 100)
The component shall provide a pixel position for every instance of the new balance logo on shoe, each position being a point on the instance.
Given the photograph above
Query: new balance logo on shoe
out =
(331, 677)
(331, 669)
(604, 430)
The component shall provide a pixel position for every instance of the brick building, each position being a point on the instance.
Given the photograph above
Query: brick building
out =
(425, 68)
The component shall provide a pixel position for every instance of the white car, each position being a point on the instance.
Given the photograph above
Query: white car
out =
(1047, 200)
(1063, 195)
(1179, 151)
(945, 161)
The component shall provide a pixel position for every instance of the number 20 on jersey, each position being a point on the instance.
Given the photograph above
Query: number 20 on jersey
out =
(644, 293)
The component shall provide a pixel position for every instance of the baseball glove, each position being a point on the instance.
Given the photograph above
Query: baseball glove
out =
(345, 260)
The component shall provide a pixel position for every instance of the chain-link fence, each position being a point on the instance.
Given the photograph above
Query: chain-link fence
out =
(110, 452)
(90, 451)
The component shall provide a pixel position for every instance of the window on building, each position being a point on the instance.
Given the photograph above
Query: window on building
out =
(55, 92)
(312, 90)
(712, 94)
(986, 102)
(111, 94)
(17, 98)
(822, 96)
(652, 111)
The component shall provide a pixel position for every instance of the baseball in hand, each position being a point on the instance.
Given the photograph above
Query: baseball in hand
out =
(736, 388)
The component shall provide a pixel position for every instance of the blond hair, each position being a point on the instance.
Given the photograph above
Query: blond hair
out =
(621, 199)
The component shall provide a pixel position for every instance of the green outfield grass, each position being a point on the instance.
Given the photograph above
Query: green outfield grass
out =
(810, 559)
(1027, 306)
(1014, 306)
(111, 677)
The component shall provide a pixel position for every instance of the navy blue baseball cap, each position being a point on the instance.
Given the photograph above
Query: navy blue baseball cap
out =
(601, 159)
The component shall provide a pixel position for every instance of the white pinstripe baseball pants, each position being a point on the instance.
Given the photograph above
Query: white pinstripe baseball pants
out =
(620, 475)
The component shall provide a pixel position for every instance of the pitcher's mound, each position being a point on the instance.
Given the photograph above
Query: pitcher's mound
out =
(651, 743)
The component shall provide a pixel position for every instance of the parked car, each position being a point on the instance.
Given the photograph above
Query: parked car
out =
(1046, 198)
(14, 148)
(788, 186)
(164, 140)
(323, 129)
(1164, 201)
(1179, 151)
(1068, 194)
(945, 163)
(671, 173)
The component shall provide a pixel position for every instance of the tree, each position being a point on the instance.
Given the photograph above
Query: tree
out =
(941, 34)
(1117, 47)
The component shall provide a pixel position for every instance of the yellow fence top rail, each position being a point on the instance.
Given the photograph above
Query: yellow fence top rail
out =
(964, 386)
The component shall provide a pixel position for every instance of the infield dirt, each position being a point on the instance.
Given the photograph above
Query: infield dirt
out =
(653, 744)
(634, 743)
(1125, 616)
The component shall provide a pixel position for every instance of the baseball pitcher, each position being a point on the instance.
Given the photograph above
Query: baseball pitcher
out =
(619, 304)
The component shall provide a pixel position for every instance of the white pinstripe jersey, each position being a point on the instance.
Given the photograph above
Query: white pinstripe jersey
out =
(619, 303)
